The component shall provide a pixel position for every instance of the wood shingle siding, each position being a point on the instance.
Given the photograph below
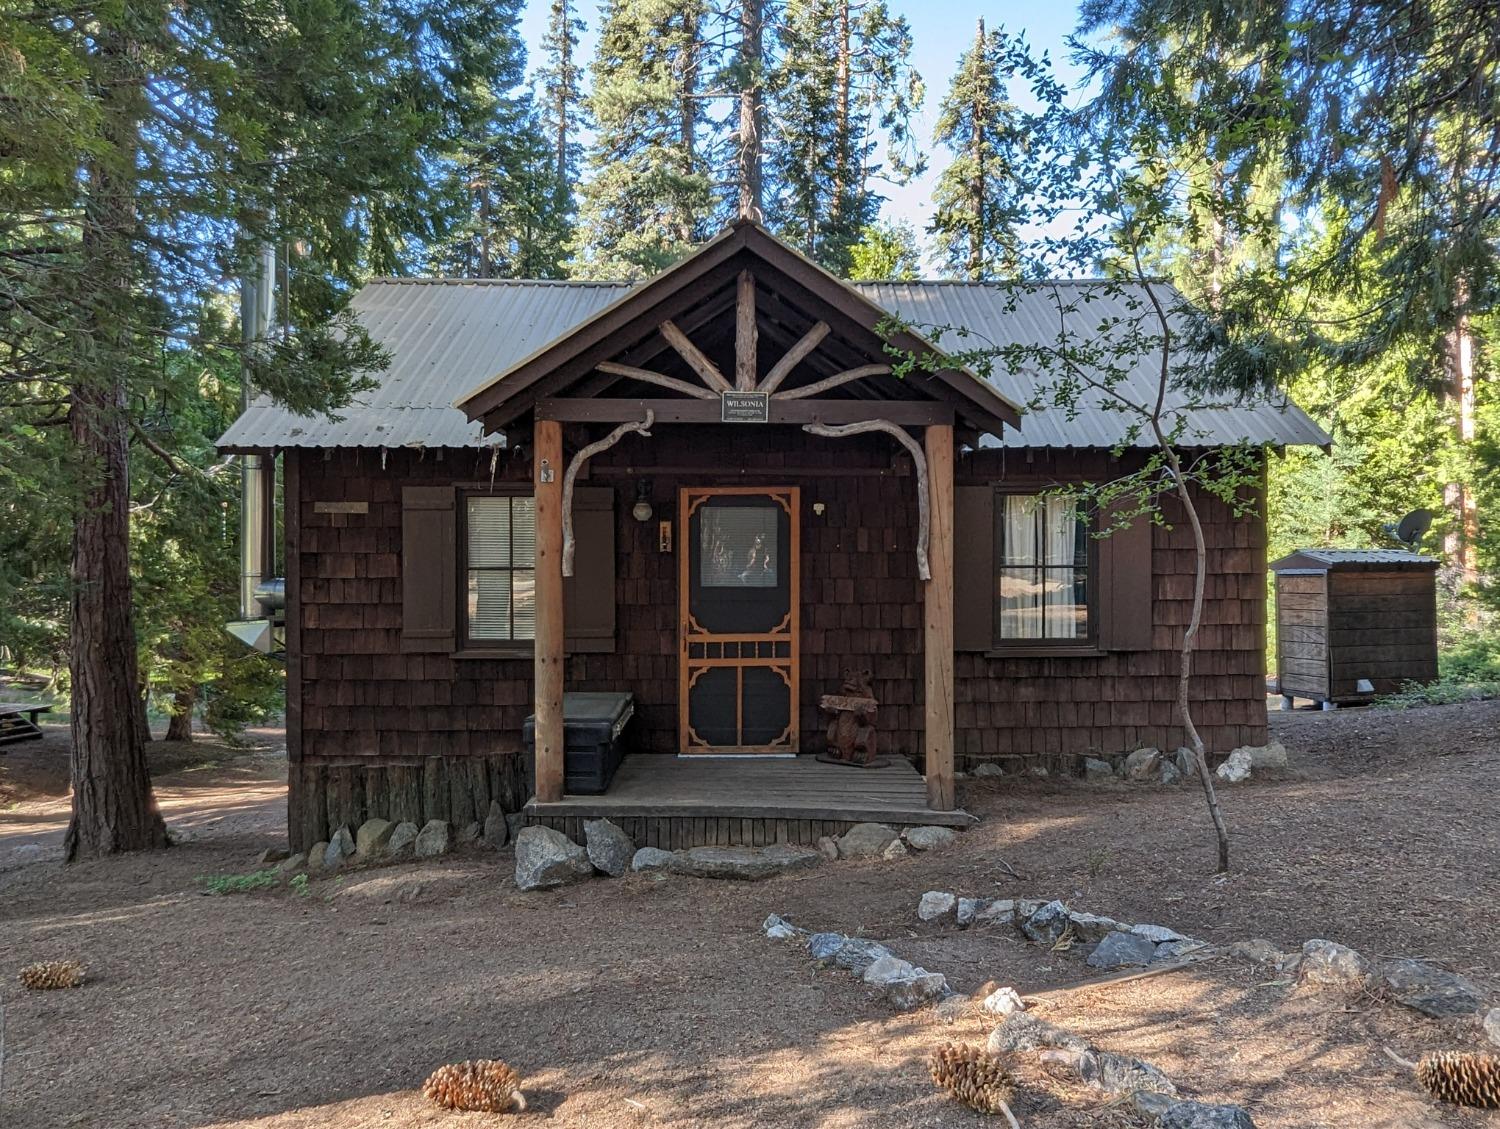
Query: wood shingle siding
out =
(380, 730)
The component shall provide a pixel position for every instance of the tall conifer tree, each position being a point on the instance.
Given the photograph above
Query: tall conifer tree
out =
(151, 149)
(845, 74)
(650, 194)
(976, 201)
(560, 93)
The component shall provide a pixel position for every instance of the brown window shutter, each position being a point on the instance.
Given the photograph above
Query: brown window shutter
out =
(589, 594)
(429, 568)
(1125, 586)
(974, 568)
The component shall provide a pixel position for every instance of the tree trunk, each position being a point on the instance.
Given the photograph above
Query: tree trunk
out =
(976, 235)
(180, 725)
(142, 717)
(1189, 642)
(563, 96)
(485, 267)
(843, 96)
(689, 110)
(1459, 544)
(113, 807)
(749, 172)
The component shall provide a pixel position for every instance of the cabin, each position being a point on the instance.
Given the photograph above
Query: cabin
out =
(717, 492)
(1352, 624)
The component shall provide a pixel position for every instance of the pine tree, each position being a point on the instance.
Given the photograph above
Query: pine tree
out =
(977, 209)
(1379, 110)
(518, 226)
(650, 193)
(561, 97)
(845, 73)
(151, 150)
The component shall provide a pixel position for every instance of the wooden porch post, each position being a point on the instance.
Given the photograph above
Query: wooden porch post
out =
(547, 471)
(937, 620)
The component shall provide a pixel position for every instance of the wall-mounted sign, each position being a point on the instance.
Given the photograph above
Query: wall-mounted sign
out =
(341, 507)
(744, 407)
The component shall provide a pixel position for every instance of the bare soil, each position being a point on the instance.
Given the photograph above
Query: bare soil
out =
(641, 1002)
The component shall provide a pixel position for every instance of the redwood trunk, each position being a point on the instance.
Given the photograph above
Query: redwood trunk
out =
(113, 807)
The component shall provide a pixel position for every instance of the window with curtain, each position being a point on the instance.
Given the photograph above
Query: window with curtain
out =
(1042, 559)
(501, 564)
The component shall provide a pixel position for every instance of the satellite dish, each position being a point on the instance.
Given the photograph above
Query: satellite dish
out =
(1413, 527)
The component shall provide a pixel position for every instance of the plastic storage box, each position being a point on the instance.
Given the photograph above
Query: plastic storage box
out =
(593, 739)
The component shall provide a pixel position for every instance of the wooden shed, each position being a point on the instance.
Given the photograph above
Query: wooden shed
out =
(1352, 624)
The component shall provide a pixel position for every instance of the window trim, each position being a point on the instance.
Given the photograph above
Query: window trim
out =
(1086, 645)
(469, 647)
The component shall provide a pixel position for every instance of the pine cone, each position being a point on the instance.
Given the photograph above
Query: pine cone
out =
(50, 974)
(973, 1076)
(485, 1085)
(1462, 1078)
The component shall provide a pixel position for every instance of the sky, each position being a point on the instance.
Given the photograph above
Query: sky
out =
(941, 31)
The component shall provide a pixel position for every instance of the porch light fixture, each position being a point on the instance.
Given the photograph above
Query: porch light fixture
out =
(642, 511)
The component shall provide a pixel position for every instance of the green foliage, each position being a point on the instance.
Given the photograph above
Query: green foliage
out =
(844, 72)
(299, 885)
(885, 251)
(650, 193)
(151, 151)
(976, 206)
(219, 884)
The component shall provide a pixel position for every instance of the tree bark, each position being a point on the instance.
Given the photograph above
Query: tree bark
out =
(180, 725)
(113, 806)
(749, 172)
(1463, 511)
(142, 718)
(1189, 642)
(976, 235)
(564, 94)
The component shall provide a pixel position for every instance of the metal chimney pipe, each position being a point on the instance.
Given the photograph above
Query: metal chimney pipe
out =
(257, 495)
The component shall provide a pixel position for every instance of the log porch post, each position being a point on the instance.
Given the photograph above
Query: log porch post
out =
(937, 621)
(547, 472)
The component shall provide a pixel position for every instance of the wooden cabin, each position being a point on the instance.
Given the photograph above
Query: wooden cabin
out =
(711, 491)
(1352, 624)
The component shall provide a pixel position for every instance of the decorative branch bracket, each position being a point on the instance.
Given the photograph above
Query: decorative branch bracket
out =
(583, 456)
(839, 431)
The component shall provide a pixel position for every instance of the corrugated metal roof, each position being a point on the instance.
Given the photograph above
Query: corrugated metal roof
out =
(446, 337)
(998, 315)
(1304, 558)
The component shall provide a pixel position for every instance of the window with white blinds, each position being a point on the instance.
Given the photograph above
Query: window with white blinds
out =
(501, 568)
(1043, 569)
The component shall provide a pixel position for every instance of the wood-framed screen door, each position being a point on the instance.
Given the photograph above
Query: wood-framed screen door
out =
(738, 596)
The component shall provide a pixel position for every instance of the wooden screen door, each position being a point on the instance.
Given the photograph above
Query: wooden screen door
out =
(738, 607)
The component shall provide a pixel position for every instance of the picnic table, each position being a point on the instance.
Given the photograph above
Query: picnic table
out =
(18, 721)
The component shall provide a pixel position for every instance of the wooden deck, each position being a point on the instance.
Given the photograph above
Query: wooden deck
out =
(673, 802)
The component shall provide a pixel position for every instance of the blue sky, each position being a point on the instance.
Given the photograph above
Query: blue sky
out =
(941, 31)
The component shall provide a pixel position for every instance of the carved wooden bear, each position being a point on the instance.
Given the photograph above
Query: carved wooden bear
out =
(851, 733)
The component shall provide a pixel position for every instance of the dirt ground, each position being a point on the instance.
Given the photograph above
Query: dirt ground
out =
(204, 787)
(645, 1002)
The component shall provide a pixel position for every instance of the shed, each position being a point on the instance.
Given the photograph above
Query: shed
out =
(1354, 623)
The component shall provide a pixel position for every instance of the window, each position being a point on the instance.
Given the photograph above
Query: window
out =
(501, 566)
(1042, 584)
(738, 546)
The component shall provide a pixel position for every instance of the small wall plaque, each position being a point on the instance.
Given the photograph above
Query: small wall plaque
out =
(341, 507)
(744, 407)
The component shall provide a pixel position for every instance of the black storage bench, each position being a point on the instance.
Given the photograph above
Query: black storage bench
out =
(593, 739)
